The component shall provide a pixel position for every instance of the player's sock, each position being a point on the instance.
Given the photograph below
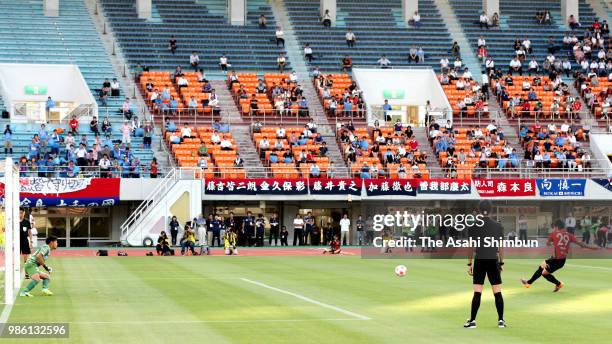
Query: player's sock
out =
(475, 305)
(499, 305)
(550, 278)
(46, 283)
(536, 275)
(30, 286)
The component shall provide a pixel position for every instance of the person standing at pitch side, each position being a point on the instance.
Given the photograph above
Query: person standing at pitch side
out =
(487, 261)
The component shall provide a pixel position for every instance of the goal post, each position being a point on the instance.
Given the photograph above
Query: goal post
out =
(10, 252)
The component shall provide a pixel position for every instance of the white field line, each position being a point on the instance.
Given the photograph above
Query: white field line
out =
(590, 267)
(136, 322)
(307, 299)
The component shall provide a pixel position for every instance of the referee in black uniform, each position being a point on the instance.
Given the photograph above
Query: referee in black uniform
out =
(487, 262)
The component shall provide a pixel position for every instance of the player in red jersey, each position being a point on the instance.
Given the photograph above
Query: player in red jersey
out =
(561, 240)
(334, 246)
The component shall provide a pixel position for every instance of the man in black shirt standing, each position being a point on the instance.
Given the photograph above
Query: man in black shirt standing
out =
(248, 228)
(274, 229)
(25, 235)
(488, 261)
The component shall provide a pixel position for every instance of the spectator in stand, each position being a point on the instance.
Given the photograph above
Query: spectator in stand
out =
(224, 63)
(515, 66)
(280, 37)
(350, 38)
(573, 22)
(494, 22)
(456, 50)
(308, 53)
(281, 62)
(383, 62)
(416, 19)
(483, 21)
(347, 64)
(8, 140)
(114, 87)
(533, 67)
(173, 46)
(126, 108)
(73, 125)
(50, 104)
(194, 61)
(412, 55)
(326, 19)
(262, 21)
(126, 131)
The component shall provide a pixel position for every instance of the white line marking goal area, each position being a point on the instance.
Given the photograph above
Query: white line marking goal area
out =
(309, 300)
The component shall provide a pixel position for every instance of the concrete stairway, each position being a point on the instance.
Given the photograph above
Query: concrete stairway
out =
(241, 131)
(468, 57)
(316, 111)
(433, 164)
(126, 79)
(229, 111)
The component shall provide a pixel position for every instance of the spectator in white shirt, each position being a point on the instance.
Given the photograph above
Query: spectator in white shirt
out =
(483, 21)
(308, 52)
(533, 66)
(350, 38)
(281, 61)
(457, 64)
(515, 66)
(223, 63)
(444, 64)
(215, 138)
(467, 75)
(115, 88)
(345, 228)
(182, 82)
(185, 131)
(226, 144)
(280, 37)
(383, 62)
(281, 133)
(416, 19)
(482, 42)
(194, 60)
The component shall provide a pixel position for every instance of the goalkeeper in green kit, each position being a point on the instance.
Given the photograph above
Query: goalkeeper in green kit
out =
(32, 265)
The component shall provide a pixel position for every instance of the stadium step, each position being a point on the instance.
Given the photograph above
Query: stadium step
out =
(468, 57)
(246, 148)
(229, 111)
(433, 164)
(602, 8)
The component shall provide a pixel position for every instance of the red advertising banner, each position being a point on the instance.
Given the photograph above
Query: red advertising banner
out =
(335, 186)
(505, 187)
(75, 192)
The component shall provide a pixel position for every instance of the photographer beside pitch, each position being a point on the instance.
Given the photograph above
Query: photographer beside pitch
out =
(487, 262)
(34, 262)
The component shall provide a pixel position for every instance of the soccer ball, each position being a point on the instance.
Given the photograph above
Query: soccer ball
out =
(400, 270)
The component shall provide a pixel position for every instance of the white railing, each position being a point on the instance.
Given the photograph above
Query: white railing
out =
(137, 216)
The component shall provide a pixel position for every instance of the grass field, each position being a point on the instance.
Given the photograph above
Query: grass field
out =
(318, 299)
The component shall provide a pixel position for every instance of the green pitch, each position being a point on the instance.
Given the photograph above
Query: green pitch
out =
(312, 300)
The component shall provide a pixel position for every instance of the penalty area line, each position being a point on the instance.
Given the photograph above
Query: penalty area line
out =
(309, 300)
(136, 322)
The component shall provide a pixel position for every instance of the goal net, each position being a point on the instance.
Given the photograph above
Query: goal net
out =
(10, 274)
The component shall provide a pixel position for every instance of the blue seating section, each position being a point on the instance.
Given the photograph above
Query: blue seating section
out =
(379, 29)
(23, 133)
(27, 36)
(200, 26)
(518, 20)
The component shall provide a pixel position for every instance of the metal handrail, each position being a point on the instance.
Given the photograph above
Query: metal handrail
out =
(149, 202)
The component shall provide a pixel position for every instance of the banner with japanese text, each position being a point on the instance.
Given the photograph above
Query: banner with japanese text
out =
(444, 187)
(259, 186)
(335, 186)
(605, 183)
(561, 187)
(505, 187)
(389, 187)
(74, 192)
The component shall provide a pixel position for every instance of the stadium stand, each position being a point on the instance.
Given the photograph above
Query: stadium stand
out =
(597, 93)
(27, 36)
(555, 147)
(200, 26)
(274, 97)
(518, 22)
(212, 153)
(184, 96)
(379, 152)
(465, 96)
(341, 98)
(467, 152)
(379, 29)
(291, 152)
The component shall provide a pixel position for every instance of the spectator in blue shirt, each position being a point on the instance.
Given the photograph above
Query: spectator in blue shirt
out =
(387, 107)
(8, 140)
(363, 144)
(34, 149)
(315, 171)
(273, 158)
(365, 171)
(49, 105)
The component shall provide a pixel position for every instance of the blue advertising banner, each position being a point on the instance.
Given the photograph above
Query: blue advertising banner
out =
(561, 187)
(605, 183)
